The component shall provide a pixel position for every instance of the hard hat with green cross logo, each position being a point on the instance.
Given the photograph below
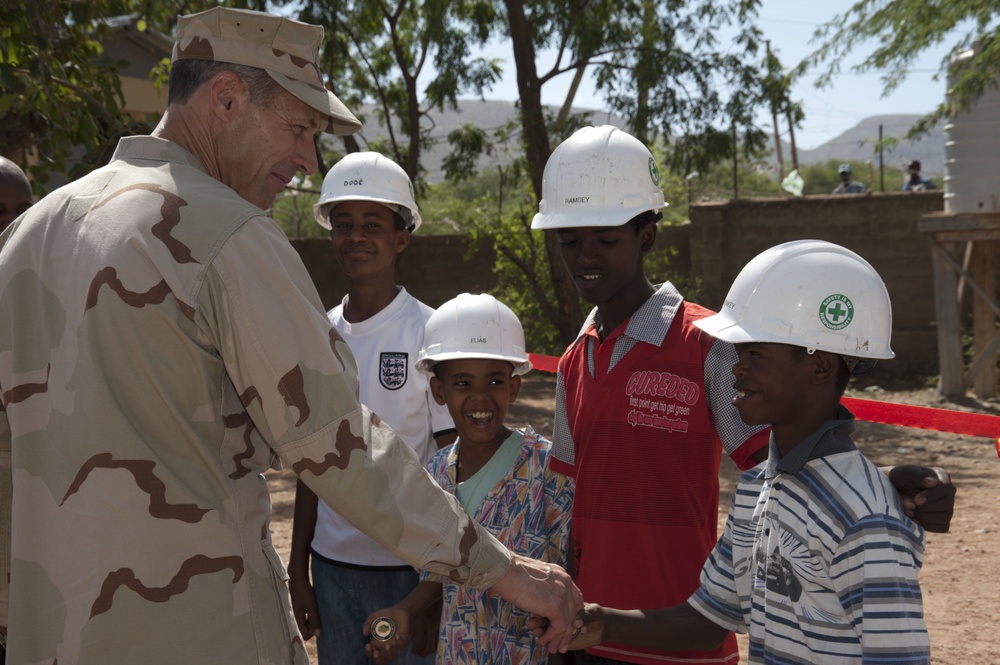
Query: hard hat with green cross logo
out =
(808, 293)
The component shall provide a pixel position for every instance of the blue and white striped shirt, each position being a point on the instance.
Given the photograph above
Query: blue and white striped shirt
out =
(818, 562)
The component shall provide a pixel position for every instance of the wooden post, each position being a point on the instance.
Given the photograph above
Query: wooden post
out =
(975, 235)
(984, 318)
(948, 328)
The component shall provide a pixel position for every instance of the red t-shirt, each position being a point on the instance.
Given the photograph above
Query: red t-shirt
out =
(645, 456)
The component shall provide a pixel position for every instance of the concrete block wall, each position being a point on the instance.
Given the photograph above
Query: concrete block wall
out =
(433, 269)
(436, 268)
(881, 227)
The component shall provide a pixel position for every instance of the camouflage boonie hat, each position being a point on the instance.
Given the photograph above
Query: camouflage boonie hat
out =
(287, 50)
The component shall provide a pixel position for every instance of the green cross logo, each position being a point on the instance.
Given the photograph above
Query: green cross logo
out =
(836, 312)
(654, 172)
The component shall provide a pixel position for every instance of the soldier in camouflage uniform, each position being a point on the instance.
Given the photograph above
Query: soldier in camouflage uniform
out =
(161, 345)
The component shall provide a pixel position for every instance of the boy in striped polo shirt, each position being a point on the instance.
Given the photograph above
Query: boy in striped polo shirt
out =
(818, 561)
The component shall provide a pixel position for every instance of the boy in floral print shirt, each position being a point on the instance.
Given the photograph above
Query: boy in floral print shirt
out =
(474, 352)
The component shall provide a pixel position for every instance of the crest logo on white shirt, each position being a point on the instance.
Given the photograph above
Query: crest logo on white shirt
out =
(392, 369)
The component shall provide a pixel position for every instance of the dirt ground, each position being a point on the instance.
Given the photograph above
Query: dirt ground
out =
(961, 596)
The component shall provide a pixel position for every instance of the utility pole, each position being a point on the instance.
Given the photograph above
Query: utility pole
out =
(881, 161)
(736, 153)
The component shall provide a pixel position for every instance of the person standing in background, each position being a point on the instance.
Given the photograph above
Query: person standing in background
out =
(915, 182)
(847, 184)
(15, 192)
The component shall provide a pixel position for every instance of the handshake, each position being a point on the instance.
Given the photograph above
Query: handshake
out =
(543, 589)
(386, 642)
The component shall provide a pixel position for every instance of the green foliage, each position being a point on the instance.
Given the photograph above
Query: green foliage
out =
(754, 179)
(60, 92)
(294, 214)
(376, 50)
(662, 67)
(659, 268)
(521, 267)
(902, 29)
(58, 87)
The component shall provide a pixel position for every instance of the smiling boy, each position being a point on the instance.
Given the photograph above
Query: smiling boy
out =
(367, 205)
(475, 355)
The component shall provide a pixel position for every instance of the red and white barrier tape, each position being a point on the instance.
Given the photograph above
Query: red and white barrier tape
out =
(889, 413)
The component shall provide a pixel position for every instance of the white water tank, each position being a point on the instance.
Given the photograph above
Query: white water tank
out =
(972, 152)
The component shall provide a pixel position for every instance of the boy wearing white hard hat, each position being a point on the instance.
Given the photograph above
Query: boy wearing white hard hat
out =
(474, 354)
(818, 561)
(367, 204)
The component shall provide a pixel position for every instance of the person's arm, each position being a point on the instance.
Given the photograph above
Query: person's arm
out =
(426, 629)
(677, 628)
(299, 586)
(530, 583)
(559, 491)
(927, 492)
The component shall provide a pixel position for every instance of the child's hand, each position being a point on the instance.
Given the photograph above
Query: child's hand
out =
(387, 639)
(588, 627)
(927, 493)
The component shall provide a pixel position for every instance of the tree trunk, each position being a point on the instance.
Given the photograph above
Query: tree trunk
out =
(640, 126)
(791, 139)
(571, 94)
(536, 139)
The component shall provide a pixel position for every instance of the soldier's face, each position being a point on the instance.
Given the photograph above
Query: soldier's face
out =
(266, 146)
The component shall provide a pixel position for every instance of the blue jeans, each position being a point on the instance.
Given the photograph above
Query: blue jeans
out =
(345, 597)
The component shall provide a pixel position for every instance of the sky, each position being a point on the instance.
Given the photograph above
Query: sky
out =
(789, 25)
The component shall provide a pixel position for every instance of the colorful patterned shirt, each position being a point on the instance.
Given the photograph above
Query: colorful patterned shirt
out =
(529, 512)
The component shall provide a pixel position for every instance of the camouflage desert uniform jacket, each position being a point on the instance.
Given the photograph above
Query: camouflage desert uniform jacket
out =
(161, 345)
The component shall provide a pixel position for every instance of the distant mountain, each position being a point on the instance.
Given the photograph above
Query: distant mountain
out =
(486, 114)
(856, 143)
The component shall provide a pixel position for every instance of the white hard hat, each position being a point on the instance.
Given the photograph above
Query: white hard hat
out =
(599, 176)
(368, 176)
(473, 326)
(809, 293)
